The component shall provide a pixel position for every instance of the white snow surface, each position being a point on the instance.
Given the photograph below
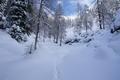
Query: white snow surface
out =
(116, 23)
(96, 60)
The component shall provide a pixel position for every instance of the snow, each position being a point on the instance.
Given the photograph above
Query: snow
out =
(71, 17)
(96, 60)
(70, 33)
(59, 2)
(116, 23)
(49, 12)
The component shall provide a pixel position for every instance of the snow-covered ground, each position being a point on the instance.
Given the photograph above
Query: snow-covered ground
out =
(96, 60)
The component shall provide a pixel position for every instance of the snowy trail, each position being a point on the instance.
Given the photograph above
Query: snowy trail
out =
(77, 62)
(97, 60)
(41, 65)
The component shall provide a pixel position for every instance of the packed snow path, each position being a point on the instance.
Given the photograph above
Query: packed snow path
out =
(97, 60)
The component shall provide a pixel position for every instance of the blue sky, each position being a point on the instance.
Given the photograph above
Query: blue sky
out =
(69, 6)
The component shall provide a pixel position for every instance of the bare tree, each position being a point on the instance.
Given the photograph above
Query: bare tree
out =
(38, 24)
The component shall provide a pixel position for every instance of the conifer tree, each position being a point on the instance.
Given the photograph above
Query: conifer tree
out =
(17, 17)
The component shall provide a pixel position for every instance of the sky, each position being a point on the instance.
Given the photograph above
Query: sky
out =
(69, 6)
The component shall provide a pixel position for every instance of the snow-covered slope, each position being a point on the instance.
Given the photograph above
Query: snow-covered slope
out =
(10, 51)
(117, 18)
(9, 47)
(96, 60)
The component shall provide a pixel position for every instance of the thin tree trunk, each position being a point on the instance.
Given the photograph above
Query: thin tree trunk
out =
(99, 15)
(57, 37)
(61, 40)
(39, 17)
(103, 22)
(44, 36)
(103, 17)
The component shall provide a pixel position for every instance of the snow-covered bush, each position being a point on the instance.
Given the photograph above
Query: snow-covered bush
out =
(70, 41)
(16, 33)
(117, 19)
(82, 38)
(116, 23)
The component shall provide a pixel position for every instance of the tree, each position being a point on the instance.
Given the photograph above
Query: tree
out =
(87, 20)
(38, 25)
(41, 20)
(2, 17)
(2, 5)
(106, 10)
(58, 28)
(79, 18)
(62, 30)
(16, 18)
(31, 15)
(99, 13)
(84, 18)
(2, 21)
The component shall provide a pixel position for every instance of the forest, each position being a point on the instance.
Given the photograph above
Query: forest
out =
(59, 39)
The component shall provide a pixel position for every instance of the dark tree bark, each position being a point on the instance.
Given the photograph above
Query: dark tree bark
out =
(99, 15)
(38, 25)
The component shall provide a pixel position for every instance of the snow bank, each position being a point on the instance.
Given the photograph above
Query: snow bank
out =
(10, 51)
(9, 47)
(97, 60)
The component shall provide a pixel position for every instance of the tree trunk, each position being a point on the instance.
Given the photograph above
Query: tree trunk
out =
(39, 17)
(99, 15)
